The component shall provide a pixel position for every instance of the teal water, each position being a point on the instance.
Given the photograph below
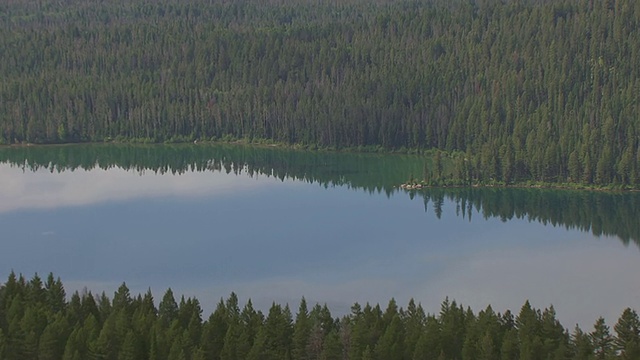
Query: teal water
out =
(277, 224)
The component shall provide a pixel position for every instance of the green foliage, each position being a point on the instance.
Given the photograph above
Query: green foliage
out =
(581, 344)
(168, 308)
(3, 344)
(530, 90)
(301, 332)
(366, 333)
(51, 344)
(332, 346)
(627, 341)
(602, 340)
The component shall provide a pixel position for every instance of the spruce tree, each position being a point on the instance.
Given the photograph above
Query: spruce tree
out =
(602, 340)
(627, 340)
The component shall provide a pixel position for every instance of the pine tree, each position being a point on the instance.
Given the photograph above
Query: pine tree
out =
(414, 320)
(215, 330)
(602, 340)
(452, 321)
(251, 323)
(132, 347)
(582, 347)
(15, 337)
(278, 329)
(36, 293)
(168, 308)
(429, 344)
(55, 294)
(391, 343)
(177, 351)
(74, 310)
(486, 347)
(107, 346)
(552, 333)
(52, 341)
(122, 299)
(627, 341)
(259, 348)
(72, 345)
(3, 344)
(574, 167)
(332, 347)
(510, 349)
(301, 332)
(529, 332)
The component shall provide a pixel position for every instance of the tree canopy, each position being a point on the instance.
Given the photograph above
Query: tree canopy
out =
(38, 321)
(528, 90)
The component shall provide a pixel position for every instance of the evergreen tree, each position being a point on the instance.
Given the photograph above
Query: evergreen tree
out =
(301, 332)
(107, 346)
(55, 294)
(215, 330)
(414, 320)
(251, 324)
(510, 349)
(51, 344)
(132, 347)
(3, 345)
(602, 340)
(627, 341)
(529, 332)
(391, 343)
(532, 97)
(135, 331)
(582, 346)
(332, 347)
(429, 344)
(122, 299)
(168, 308)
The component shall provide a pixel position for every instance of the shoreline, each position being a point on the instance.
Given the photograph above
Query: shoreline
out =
(407, 186)
(546, 186)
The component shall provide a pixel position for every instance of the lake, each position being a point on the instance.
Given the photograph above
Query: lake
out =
(275, 224)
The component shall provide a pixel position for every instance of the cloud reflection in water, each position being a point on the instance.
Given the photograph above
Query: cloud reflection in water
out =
(206, 234)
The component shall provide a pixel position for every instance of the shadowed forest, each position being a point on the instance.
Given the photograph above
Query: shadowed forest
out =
(521, 90)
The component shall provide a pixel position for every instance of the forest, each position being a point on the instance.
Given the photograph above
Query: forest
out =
(535, 90)
(38, 321)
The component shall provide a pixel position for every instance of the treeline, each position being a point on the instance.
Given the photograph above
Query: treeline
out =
(528, 90)
(371, 172)
(38, 322)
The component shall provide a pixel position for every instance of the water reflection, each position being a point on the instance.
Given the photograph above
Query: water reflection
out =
(208, 220)
(601, 213)
(116, 166)
(40, 188)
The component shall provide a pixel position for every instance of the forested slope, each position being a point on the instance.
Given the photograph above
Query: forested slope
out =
(529, 90)
(38, 322)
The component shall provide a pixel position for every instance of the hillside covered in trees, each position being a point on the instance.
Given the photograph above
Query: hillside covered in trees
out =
(523, 90)
(38, 322)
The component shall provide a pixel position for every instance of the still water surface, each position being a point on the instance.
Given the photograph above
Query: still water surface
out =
(274, 225)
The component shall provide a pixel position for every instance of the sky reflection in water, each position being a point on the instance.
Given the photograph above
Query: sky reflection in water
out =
(206, 234)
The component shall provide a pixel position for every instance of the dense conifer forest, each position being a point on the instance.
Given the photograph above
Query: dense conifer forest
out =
(521, 90)
(37, 321)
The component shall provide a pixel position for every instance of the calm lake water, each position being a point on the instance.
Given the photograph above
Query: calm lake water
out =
(275, 224)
